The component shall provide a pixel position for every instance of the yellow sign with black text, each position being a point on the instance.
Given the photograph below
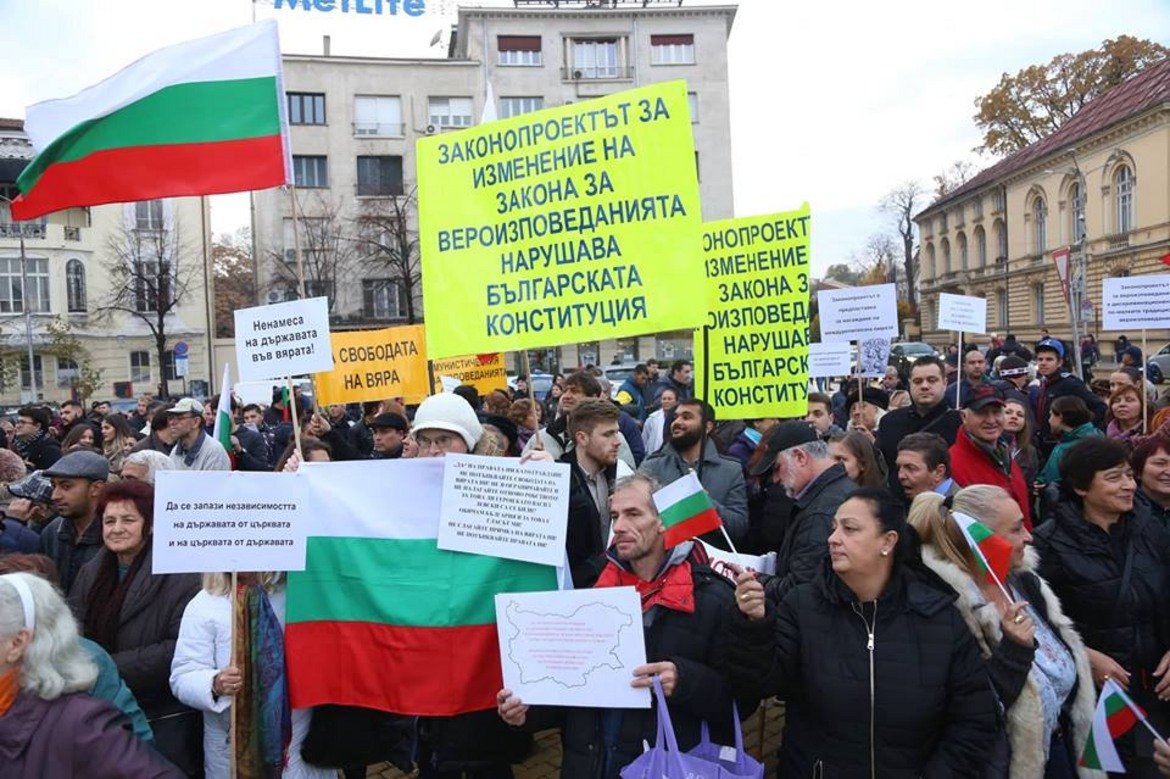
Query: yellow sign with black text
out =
(485, 372)
(374, 365)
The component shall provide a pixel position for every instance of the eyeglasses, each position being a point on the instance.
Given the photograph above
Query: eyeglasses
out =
(442, 441)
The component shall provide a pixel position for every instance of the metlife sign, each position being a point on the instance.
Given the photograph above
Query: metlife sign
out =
(375, 7)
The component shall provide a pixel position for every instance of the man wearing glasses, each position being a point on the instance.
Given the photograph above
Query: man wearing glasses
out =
(32, 440)
(194, 449)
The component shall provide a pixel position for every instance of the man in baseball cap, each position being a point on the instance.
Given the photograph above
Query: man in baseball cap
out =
(194, 449)
(1056, 382)
(979, 454)
(75, 536)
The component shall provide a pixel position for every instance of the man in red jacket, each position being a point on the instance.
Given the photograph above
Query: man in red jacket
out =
(979, 456)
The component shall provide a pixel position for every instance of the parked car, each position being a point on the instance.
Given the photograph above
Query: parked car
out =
(541, 384)
(616, 374)
(904, 353)
(1158, 366)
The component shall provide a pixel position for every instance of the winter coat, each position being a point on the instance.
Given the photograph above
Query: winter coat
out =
(1050, 473)
(632, 437)
(806, 541)
(43, 452)
(908, 698)
(1009, 664)
(110, 687)
(149, 625)
(899, 423)
(16, 537)
(59, 542)
(721, 476)
(632, 401)
(1061, 385)
(665, 382)
(74, 735)
(203, 648)
(695, 644)
(584, 544)
(253, 454)
(970, 464)
(557, 441)
(769, 514)
(964, 392)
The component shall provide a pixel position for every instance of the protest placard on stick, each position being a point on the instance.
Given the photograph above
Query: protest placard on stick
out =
(283, 339)
(375, 364)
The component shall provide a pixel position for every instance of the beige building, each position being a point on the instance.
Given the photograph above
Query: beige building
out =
(354, 123)
(68, 276)
(1100, 186)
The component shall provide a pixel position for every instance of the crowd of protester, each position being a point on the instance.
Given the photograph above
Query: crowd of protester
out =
(893, 652)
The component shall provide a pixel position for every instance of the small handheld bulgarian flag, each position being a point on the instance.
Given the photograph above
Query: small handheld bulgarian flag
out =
(686, 510)
(992, 553)
(222, 431)
(1116, 715)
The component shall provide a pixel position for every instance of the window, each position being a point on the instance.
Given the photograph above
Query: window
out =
(962, 241)
(672, 49)
(998, 201)
(153, 282)
(946, 256)
(169, 373)
(1038, 302)
(374, 115)
(310, 171)
(148, 215)
(381, 299)
(379, 176)
(980, 247)
(595, 58)
(140, 367)
(693, 103)
(1123, 184)
(12, 290)
(38, 367)
(519, 50)
(514, 106)
(67, 372)
(75, 285)
(930, 261)
(977, 208)
(1001, 247)
(450, 111)
(1077, 212)
(1001, 300)
(1039, 225)
(306, 108)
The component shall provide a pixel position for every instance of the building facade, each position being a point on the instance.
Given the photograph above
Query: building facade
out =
(1098, 186)
(77, 267)
(354, 122)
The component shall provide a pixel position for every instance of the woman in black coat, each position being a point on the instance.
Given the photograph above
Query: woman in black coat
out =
(881, 676)
(1110, 566)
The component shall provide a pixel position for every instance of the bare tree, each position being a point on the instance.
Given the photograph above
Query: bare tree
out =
(875, 261)
(388, 242)
(235, 280)
(328, 252)
(150, 277)
(900, 204)
(952, 178)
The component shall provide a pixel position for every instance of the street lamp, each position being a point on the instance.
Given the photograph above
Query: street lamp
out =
(32, 373)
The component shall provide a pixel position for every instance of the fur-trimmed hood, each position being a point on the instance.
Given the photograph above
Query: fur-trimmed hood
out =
(1025, 716)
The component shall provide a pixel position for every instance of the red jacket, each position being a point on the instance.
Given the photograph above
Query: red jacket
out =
(971, 465)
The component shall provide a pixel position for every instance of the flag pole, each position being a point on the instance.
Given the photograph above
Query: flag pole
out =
(292, 407)
(959, 372)
(231, 662)
(1142, 383)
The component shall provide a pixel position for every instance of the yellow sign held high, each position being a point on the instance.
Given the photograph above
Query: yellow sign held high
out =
(485, 372)
(571, 224)
(375, 364)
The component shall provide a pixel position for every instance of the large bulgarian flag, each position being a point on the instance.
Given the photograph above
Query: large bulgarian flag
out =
(198, 118)
(1115, 716)
(686, 510)
(222, 431)
(381, 617)
(992, 553)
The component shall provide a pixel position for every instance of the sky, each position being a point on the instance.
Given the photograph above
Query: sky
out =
(835, 103)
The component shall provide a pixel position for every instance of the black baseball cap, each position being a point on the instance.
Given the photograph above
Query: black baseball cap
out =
(784, 435)
(983, 396)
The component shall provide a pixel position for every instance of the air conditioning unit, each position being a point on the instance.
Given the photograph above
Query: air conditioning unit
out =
(576, 75)
(430, 129)
(275, 297)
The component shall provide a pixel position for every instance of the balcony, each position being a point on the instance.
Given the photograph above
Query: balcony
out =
(1118, 242)
(23, 229)
(597, 73)
(378, 129)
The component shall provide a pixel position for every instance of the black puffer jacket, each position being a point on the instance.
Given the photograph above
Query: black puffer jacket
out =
(806, 540)
(918, 705)
(1084, 565)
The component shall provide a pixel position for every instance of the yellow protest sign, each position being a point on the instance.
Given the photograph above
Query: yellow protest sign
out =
(755, 360)
(485, 372)
(571, 224)
(375, 364)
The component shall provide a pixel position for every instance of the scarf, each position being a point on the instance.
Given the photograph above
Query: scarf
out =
(9, 689)
(22, 445)
(103, 609)
(673, 588)
(263, 717)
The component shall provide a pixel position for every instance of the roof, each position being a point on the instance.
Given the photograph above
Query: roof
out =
(11, 124)
(1141, 92)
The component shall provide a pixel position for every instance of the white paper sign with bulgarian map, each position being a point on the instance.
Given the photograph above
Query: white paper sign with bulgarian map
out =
(574, 647)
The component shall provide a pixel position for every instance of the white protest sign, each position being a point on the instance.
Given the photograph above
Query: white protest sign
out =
(749, 562)
(573, 647)
(1135, 302)
(874, 354)
(962, 313)
(858, 313)
(284, 339)
(229, 521)
(504, 508)
(828, 360)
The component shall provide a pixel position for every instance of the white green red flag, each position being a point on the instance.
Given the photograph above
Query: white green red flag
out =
(381, 617)
(1116, 715)
(197, 118)
(686, 510)
(222, 431)
(992, 553)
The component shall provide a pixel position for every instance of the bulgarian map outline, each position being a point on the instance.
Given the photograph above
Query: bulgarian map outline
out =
(547, 659)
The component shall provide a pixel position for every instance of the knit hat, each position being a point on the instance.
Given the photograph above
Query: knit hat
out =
(447, 411)
(1013, 366)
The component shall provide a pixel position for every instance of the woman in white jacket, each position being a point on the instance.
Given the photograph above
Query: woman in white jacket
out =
(201, 675)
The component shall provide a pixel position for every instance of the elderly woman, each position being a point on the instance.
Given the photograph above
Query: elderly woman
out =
(880, 674)
(48, 726)
(144, 464)
(1034, 655)
(1110, 567)
(134, 614)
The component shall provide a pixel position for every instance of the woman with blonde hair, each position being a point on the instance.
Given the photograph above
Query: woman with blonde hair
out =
(1034, 656)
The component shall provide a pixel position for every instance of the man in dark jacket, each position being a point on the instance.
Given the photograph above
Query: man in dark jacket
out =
(1009, 348)
(690, 448)
(1056, 383)
(679, 379)
(972, 375)
(685, 606)
(32, 441)
(161, 438)
(75, 536)
(928, 412)
(629, 395)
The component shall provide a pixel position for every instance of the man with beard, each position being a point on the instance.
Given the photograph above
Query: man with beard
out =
(75, 536)
(690, 448)
(928, 412)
